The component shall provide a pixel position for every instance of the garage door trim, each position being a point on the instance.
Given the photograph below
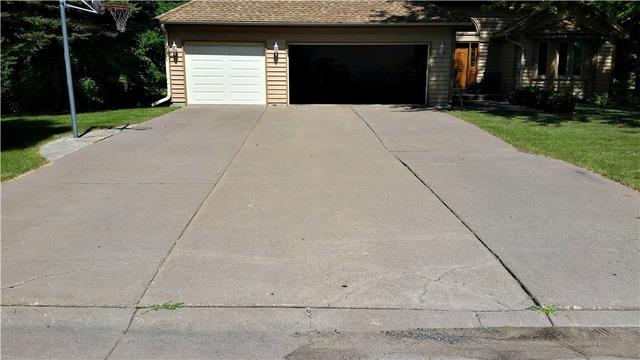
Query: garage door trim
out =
(187, 43)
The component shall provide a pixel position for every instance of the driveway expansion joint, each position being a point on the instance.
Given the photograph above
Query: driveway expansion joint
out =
(164, 259)
(484, 244)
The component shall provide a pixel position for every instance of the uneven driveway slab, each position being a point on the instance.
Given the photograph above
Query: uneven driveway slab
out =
(315, 212)
(571, 236)
(92, 228)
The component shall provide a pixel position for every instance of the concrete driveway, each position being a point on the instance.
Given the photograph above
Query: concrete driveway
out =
(273, 227)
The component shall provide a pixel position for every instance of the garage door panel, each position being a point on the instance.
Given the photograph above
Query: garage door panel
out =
(246, 81)
(357, 73)
(220, 74)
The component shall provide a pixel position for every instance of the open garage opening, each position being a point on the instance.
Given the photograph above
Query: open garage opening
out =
(358, 74)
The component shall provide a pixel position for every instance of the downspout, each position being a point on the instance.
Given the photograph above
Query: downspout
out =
(167, 66)
(521, 60)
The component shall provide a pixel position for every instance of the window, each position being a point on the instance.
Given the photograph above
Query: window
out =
(578, 58)
(474, 55)
(542, 58)
(563, 58)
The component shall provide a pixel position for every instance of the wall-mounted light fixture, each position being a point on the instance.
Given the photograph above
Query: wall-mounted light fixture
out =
(441, 49)
(276, 49)
(174, 50)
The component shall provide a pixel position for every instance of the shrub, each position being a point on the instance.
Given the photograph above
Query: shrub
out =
(519, 95)
(89, 93)
(530, 96)
(601, 99)
(562, 101)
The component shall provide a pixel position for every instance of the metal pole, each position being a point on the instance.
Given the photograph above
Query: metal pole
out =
(67, 64)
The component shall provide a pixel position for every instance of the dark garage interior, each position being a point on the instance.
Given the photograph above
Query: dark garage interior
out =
(357, 74)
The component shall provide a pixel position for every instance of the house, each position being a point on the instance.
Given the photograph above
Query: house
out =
(373, 51)
(570, 50)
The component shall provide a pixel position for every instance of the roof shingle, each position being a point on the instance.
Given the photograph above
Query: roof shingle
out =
(309, 12)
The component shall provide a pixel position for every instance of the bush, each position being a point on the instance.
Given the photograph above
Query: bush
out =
(536, 98)
(89, 93)
(519, 95)
(530, 96)
(601, 100)
(561, 101)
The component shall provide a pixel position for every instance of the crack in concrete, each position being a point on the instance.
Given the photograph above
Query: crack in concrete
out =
(39, 278)
(524, 288)
(93, 268)
(447, 272)
(431, 281)
(477, 316)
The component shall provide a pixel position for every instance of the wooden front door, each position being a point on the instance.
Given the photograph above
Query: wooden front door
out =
(461, 65)
(466, 64)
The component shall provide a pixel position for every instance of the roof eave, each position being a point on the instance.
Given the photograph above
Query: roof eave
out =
(313, 24)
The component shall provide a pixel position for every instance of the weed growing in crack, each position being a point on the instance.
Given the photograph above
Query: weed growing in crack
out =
(166, 306)
(547, 309)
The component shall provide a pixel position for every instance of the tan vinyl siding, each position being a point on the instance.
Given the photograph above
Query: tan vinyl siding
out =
(440, 67)
(177, 77)
(489, 24)
(483, 49)
(603, 62)
(277, 76)
(500, 66)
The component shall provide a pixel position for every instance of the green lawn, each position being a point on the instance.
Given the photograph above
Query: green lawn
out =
(606, 141)
(22, 136)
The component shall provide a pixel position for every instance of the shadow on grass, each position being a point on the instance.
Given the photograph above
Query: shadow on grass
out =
(584, 114)
(412, 107)
(20, 133)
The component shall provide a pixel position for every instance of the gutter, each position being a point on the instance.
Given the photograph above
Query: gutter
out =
(521, 60)
(167, 66)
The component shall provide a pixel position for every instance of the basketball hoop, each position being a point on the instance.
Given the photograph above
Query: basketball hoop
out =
(120, 13)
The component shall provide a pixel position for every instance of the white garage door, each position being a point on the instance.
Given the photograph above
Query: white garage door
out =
(225, 74)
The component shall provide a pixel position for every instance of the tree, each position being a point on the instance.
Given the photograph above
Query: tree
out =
(110, 69)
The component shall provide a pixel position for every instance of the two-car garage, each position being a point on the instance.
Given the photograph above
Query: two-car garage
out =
(316, 73)
(281, 52)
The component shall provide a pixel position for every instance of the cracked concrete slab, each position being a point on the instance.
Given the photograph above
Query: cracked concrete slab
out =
(570, 235)
(286, 229)
(92, 228)
(312, 212)
(61, 333)
(82, 244)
